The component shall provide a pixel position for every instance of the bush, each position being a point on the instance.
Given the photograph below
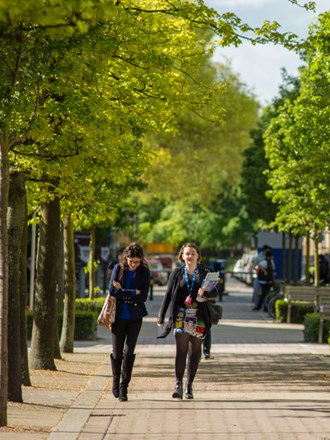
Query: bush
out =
(311, 328)
(298, 310)
(94, 305)
(85, 325)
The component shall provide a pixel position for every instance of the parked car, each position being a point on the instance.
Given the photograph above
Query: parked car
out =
(158, 272)
(243, 269)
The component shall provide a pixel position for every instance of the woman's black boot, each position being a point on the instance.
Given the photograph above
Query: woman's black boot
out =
(116, 368)
(188, 394)
(126, 375)
(178, 391)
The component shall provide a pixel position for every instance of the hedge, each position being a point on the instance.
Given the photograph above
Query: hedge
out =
(298, 310)
(94, 305)
(311, 328)
(85, 325)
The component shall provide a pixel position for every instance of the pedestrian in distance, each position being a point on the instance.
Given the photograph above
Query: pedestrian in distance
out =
(255, 261)
(207, 342)
(265, 277)
(129, 284)
(186, 300)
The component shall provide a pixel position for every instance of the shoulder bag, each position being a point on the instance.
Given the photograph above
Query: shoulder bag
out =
(215, 312)
(108, 313)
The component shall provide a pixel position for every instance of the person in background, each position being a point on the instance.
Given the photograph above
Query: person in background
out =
(129, 283)
(207, 346)
(265, 277)
(255, 261)
(189, 317)
(114, 261)
(152, 283)
(324, 269)
(207, 342)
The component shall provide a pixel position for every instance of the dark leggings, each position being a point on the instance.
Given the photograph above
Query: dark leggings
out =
(124, 336)
(191, 346)
(207, 343)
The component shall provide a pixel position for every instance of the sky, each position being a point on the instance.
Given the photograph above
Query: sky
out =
(260, 66)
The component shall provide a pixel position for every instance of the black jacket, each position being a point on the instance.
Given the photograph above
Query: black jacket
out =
(136, 303)
(170, 300)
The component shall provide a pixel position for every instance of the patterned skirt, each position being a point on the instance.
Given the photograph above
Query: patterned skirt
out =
(187, 322)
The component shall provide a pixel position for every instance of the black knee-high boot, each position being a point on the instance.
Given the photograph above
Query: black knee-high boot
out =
(126, 375)
(116, 369)
(178, 391)
(188, 394)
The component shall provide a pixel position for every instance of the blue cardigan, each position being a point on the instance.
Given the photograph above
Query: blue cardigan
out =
(135, 303)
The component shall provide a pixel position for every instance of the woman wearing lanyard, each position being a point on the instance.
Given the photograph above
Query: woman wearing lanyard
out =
(188, 316)
(129, 283)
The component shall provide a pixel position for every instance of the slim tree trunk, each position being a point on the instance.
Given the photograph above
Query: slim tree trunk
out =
(57, 351)
(296, 259)
(25, 375)
(284, 272)
(290, 258)
(4, 194)
(16, 224)
(316, 259)
(67, 336)
(307, 265)
(60, 282)
(91, 262)
(45, 308)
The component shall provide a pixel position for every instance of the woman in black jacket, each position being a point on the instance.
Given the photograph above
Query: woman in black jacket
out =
(188, 315)
(129, 283)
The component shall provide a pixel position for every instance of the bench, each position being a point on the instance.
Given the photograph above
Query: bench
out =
(299, 293)
(324, 310)
(308, 294)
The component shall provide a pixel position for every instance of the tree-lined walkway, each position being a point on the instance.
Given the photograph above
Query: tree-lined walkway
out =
(263, 383)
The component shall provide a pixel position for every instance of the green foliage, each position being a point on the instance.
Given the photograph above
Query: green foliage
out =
(298, 311)
(86, 304)
(311, 328)
(85, 324)
(192, 181)
(255, 188)
(297, 144)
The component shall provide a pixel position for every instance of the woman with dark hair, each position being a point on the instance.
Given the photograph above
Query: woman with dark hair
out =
(129, 283)
(185, 297)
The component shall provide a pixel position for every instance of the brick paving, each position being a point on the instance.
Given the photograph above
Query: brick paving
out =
(264, 383)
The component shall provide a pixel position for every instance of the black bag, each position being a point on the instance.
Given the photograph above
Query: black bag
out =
(215, 312)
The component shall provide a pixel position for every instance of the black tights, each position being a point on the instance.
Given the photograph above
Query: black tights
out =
(191, 346)
(124, 336)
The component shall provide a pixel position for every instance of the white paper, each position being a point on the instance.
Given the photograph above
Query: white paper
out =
(210, 281)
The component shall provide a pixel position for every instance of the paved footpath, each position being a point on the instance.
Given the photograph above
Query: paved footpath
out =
(264, 383)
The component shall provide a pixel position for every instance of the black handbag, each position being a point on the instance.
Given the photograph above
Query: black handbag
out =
(215, 312)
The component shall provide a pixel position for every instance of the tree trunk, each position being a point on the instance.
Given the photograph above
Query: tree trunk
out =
(15, 223)
(45, 308)
(316, 259)
(284, 272)
(290, 259)
(67, 336)
(91, 262)
(4, 194)
(25, 375)
(296, 259)
(60, 294)
(57, 351)
(60, 276)
(307, 265)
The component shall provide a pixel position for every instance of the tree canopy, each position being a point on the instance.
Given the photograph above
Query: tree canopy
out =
(297, 143)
